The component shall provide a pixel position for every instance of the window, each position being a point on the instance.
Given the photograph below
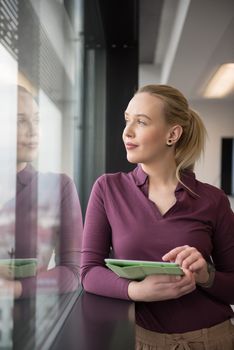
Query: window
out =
(41, 67)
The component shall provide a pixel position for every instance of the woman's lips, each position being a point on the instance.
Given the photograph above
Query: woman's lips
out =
(130, 146)
(30, 145)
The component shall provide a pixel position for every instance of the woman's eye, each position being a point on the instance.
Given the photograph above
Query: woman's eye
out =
(141, 122)
(21, 121)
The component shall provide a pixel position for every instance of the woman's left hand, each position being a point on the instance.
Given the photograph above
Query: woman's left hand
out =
(189, 258)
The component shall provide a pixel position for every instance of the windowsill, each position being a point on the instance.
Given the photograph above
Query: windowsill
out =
(71, 321)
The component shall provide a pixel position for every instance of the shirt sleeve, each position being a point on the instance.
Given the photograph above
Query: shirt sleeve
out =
(65, 276)
(223, 253)
(96, 278)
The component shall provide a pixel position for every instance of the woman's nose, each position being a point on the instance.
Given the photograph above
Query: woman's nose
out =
(32, 128)
(128, 130)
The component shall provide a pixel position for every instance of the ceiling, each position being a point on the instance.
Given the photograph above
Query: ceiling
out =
(183, 42)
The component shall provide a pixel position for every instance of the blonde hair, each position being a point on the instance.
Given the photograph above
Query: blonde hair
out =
(177, 112)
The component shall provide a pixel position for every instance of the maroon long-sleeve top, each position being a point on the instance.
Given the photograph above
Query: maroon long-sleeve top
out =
(120, 218)
(47, 226)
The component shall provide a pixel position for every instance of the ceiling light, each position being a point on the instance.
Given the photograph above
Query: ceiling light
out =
(222, 82)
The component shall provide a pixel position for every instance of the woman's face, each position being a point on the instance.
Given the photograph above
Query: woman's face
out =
(27, 128)
(146, 132)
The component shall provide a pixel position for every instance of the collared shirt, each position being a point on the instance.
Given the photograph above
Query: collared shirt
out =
(121, 217)
(48, 222)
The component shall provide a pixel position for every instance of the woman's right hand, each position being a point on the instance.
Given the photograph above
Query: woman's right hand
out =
(162, 287)
(10, 289)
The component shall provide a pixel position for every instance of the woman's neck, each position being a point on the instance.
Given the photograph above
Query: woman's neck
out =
(20, 167)
(161, 175)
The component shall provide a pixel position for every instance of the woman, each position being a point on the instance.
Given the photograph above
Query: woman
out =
(160, 212)
(48, 221)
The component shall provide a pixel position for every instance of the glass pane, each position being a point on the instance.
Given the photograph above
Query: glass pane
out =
(41, 65)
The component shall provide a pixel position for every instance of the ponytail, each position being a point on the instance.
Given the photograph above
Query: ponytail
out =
(191, 144)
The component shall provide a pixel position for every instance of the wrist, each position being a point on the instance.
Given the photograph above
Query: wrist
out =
(18, 289)
(211, 276)
(133, 291)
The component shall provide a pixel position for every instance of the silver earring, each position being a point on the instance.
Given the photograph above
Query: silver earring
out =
(169, 143)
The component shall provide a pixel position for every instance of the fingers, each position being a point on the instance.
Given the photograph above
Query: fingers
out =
(187, 257)
(170, 287)
(186, 285)
(172, 254)
(163, 278)
(165, 287)
(10, 289)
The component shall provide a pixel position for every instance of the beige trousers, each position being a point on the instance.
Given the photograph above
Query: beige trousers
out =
(219, 337)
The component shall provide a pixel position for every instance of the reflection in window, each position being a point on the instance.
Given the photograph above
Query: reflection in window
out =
(8, 96)
(40, 216)
(6, 324)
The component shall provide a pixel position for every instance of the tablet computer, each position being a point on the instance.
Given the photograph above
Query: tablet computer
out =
(18, 268)
(139, 269)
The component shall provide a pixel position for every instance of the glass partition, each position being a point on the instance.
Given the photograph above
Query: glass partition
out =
(41, 69)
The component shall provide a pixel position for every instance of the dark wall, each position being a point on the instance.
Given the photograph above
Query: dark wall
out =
(227, 166)
(120, 23)
(122, 80)
(112, 25)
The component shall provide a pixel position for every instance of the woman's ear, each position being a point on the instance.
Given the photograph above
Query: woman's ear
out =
(174, 134)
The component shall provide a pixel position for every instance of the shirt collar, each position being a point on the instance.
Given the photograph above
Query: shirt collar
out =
(140, 176)
(188, 180)
(189, 183)
(26, 175)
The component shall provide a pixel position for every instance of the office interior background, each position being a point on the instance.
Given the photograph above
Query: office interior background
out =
(84, 59)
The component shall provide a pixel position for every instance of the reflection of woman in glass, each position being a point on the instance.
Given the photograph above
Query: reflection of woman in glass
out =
(27, 129)
(160, 212)
(48, 218)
